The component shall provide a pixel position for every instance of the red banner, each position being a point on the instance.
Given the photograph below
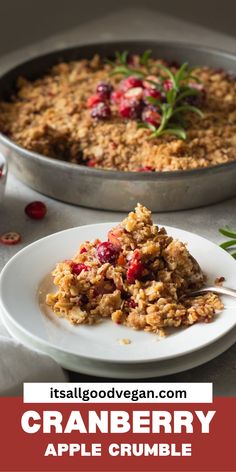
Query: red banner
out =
(95, 452)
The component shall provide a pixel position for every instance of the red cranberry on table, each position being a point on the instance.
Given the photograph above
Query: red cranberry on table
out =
(107, 252)
(101, 111)
(36, 210)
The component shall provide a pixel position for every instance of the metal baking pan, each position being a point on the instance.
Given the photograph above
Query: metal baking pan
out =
(115, 190)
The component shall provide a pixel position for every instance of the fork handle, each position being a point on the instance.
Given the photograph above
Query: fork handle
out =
(223, 290)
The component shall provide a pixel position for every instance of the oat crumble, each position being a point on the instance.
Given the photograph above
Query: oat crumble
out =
(140, 277)
(51, 116)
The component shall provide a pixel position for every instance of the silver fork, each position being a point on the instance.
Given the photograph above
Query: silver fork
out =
(222, 290)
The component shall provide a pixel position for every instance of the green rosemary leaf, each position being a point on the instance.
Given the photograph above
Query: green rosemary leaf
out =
(171, 106)
(118, 56)
(171, 96)
(154, 101)
(195, 78)
(181, 73)
(119, 70)
(151, 127)
(228, 244)
(126, 71)
(169, 73)
(121, 57)
(179, 132)
(188, 108)
(153, 83)
(167, 110)
(233, 254)
(145, 57)
(124, 57)
(142, 124)
(230, 233)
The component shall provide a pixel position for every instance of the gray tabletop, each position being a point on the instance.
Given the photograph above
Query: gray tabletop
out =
(204, 221)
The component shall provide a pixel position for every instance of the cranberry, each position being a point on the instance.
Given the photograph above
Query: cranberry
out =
(83, 250)
(130, 82)
(104, 90)
(77, 268)
(36, 210)
(151, 92)
(132, 303)
(134, 271)
(135, 256)
(135, 92)
(91, 163)
(116, 96)
(93, 100)
(130, 109)
(150, 115)
(10, 238)
(101, 111)
(146, 169)
(167, 85)
(107, 252)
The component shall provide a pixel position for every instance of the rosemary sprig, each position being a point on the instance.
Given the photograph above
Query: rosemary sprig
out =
(174, 104)
(144, 59)
(231, 244)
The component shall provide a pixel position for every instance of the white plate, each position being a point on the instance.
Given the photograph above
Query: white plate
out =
(28, 270)
(142, 370)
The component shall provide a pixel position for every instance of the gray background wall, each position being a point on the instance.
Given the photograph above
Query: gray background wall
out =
(26, 21)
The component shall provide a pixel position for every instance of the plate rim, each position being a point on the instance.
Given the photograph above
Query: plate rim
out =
(95, 369)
